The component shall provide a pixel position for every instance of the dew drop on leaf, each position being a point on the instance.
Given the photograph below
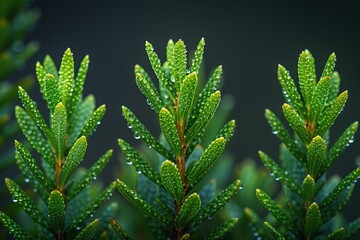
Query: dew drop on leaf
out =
(128, 161)
(136, 135)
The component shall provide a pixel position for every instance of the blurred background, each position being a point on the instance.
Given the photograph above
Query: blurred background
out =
(247, 37)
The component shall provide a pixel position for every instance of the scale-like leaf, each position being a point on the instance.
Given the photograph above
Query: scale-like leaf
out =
(56, 205)
(25, 202)
(50, 67)
(338, 147)
(279, 173)
(279, 129)
(178, 64)
(307, 75)
(272, 233)
(296, 122)
(158, 69)
(189, 209)
(15, 229)
(139, 203)
(187, 95)
(171, 180)
(93, 206)
(209, 88)
(338, 234)
(140, 130)
(206, 161)
(220, 231)
(329, 66)
(290, 91)
(59, 128)
(205, 114)
(89, 231)
(216, 204)
(139, 163)
(73, 159)
(119, 230)
(168, 128)
(346, 183)
(198, 56)
(313, 220)
(308, 189)
(315, 157)
(275, 210)
(32, 165)
(34, 136)
(93, 122)
(91, 174)
(330, 116)
(319, 97)
(66, 78)
(152, 96)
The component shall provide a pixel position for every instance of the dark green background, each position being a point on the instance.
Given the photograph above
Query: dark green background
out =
(248, 38)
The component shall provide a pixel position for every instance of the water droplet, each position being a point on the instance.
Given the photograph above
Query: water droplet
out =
(91, 215)
(277, 179)
(129, 125)
(275, 132)
(172, 79)
(148, 102)
(136, 135)
(94, 178)
(128, 161)
(26, 180)
(78, 228)
(187, 71)
(138, 171)
(14, 200)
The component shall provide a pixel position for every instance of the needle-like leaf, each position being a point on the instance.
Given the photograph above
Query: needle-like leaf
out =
(171, 179)
(56, 211)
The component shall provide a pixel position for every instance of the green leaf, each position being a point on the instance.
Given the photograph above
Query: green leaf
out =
(158, 69)
(93, 122)
(139, 203)
(185, 237)
(186, 97)
(139, 70)
(319, 97)
(15, 229)
(279, 129)
(25, 202)
(66, 79)
(32, 165)
(50, 66)
(335, 87)
(51, 92)
(296, 122)
(272, 233)
(227, 131)
(279, 173)
(210, 87)
(178, 64)
(34, 113)
(56, 207)
(220, 231)
(205, 114)
(307, 75)
(170, 50)
(140, 130)
(59, 128)
(119, 230)
(89, 231)
(341, 187)
(93, 206)
(73, 159)
(329, 66)
(168, 127)
(189, 209)
(330, 116)
(79, 85)
(275, 210)
(80, 117)
(171, 180)
(290, 91)
(206, 161)
(316, 152)
(313, 220)
(91, 174)
(254, 222)
(338, 234)
(338, 147)
(216, 204)
(152, 95)
(34, 136)
(139, 163)
(198, 56)
(308, 189)
(353, 228)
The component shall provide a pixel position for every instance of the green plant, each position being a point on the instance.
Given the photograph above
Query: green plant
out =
(15, 21)
(169, 196)
(65, 201)
(310, 205)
